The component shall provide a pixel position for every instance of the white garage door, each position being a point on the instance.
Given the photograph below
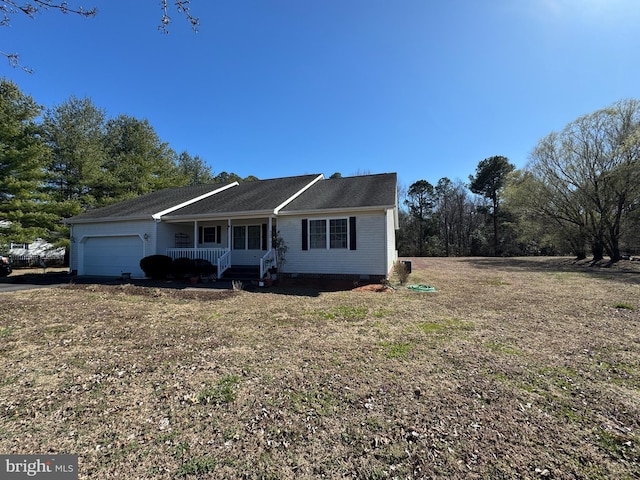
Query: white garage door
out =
(113, 256)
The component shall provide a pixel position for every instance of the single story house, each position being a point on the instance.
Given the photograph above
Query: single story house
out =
(341, 227)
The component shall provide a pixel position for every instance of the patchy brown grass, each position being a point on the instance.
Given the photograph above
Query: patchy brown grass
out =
(514, 368)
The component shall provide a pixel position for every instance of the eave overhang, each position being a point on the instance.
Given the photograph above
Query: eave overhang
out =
(325, 211)
(131, 218)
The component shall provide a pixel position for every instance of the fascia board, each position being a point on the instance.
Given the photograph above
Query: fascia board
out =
(133, 218)
(276, 211)
(158, 216)
(332, 211)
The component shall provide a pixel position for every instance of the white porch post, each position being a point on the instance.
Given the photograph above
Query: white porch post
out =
(269, 230)
(229, 234)
(195, 237)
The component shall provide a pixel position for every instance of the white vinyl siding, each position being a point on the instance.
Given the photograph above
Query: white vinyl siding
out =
(369, 257)
(166, 235)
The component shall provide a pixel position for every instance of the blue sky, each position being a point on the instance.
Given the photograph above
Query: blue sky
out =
(274, 88)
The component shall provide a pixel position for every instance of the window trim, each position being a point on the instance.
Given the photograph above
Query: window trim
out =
(262, 240)
(320, 233)
(342, 237)
(349, 234)
(216, 234)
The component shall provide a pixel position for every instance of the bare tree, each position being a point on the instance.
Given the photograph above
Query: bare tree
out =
(454, 210)
(590, 172)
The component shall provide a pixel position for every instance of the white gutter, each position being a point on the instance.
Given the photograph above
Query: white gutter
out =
(331, 211)
(297, 194)
(159, 215)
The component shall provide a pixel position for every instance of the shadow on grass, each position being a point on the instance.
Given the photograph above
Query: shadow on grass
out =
(294, 287)
(305, 287)
(623, 271)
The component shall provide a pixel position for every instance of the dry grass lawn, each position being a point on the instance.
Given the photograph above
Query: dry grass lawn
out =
(514, 368)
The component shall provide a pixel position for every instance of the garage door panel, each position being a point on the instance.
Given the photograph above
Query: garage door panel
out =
(113, 255)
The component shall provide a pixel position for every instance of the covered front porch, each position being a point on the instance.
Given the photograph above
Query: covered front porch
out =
(227, 244)
(221, 258)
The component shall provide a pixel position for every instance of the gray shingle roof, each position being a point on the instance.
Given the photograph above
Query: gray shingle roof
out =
(256, 196)
(260, 196)
(145, 205)
(347, 192)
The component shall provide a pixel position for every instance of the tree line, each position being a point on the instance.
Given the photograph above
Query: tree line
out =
(58, 162)
(578, 194)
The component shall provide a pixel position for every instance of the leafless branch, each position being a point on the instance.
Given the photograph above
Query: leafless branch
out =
(183, 7)
(14, 61)
(10, 7)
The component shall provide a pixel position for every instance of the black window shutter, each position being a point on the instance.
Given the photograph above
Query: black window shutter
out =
(264, 236)
(219, 234)
(199, 234)
(305, 232)
(352, 233)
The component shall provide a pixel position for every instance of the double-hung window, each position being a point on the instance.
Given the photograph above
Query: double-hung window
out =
(338, 233)
(249, 237)
(318, 234)
(329, 233)
(209, 235)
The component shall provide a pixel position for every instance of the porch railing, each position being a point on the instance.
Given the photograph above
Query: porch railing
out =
(267, 261)
(224, 262)
(221, 257)
(210, 254)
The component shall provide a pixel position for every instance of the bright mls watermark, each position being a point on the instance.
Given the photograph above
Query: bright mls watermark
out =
(49, 467)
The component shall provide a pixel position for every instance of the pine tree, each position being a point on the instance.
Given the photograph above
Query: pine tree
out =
(24, 209)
